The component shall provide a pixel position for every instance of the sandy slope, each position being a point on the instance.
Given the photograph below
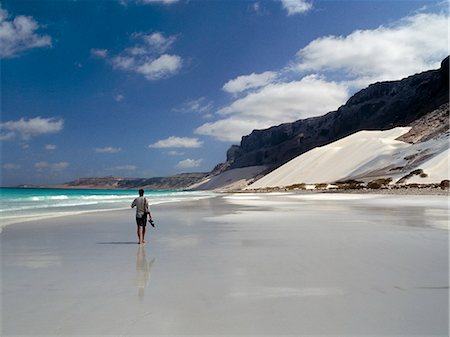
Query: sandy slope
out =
(234, 179)
(363, 154)
(436, 168)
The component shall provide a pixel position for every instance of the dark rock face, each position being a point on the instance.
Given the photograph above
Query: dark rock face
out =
(176, 182)
(380, 106)
(431, 125)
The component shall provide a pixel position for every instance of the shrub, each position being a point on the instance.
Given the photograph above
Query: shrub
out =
(321, 186)
(350, 185)
(444, 184)
(374, 185)
(409, 175)
(379, 183)
(423, 175)
(396, 168)
(414, 185)
(300, 186)
(417, 172)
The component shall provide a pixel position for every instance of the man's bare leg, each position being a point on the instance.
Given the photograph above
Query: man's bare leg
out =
(139, 234)
(143, 234)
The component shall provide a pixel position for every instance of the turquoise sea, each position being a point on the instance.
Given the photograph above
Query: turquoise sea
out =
(23, 204)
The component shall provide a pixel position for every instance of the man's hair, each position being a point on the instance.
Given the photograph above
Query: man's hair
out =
(141, 192)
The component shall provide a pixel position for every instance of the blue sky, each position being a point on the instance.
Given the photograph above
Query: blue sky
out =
(142, 88)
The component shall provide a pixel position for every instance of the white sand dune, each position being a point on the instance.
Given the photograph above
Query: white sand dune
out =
(436, 169)
(362, 154)
(232, 179)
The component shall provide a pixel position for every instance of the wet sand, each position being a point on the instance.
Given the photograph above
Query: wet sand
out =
(247, 264)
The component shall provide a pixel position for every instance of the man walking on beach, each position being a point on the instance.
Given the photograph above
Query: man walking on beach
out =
(142, 210)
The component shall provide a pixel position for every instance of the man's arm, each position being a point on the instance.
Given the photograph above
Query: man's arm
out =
(147, 209)
(133, 204)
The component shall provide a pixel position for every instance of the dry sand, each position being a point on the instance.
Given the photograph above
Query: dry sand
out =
(274, 264)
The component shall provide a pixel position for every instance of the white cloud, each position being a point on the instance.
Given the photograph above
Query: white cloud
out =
(119, 98)
(11, 166)
(107, 149)
(101, 53)
(148, 58)
(256, 7)
(19, 34)
(177, 142)
(27, 128)
(414, 44)
(158, 41)
(189, 163)
(124, 168)
(50, 147)
(175, 153)
(43, 165)
(296, 6)
(163, 66)
(233, 128)
(200, 105)
(136, 50)
(123, 62)
(246, 82)
(7, 136)
(164, 2)
(275, 104)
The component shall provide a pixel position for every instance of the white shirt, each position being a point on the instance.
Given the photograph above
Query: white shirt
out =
(141, 205)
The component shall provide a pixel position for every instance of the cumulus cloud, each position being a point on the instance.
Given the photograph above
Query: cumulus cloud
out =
(414, 44)
(101, 53)
(107, 149)
(148, 2)
(275, 104)
(256, 6)
(28, 128)
(164, 2)
(6, 135)
(177, 142)
(296, 6)
(158, 41)
(50, 147)
(233, 128)
(148, 57)
(200, 105)
(189, 163)
(19, 34)
(119, 98)
(11, 166)
(123, 62)
(246, 82)
(43, 165)
(124, 168)
(163, 66)
(175, 153)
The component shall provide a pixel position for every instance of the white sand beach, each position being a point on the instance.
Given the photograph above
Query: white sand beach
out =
(238, 264)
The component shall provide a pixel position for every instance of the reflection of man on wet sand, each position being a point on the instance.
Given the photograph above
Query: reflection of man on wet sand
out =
(142, 270)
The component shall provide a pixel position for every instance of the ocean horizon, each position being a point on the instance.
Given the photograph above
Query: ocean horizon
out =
(24, 204)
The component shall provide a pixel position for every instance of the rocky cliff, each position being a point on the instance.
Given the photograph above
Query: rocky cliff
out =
(176, 182)
(380, 106)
